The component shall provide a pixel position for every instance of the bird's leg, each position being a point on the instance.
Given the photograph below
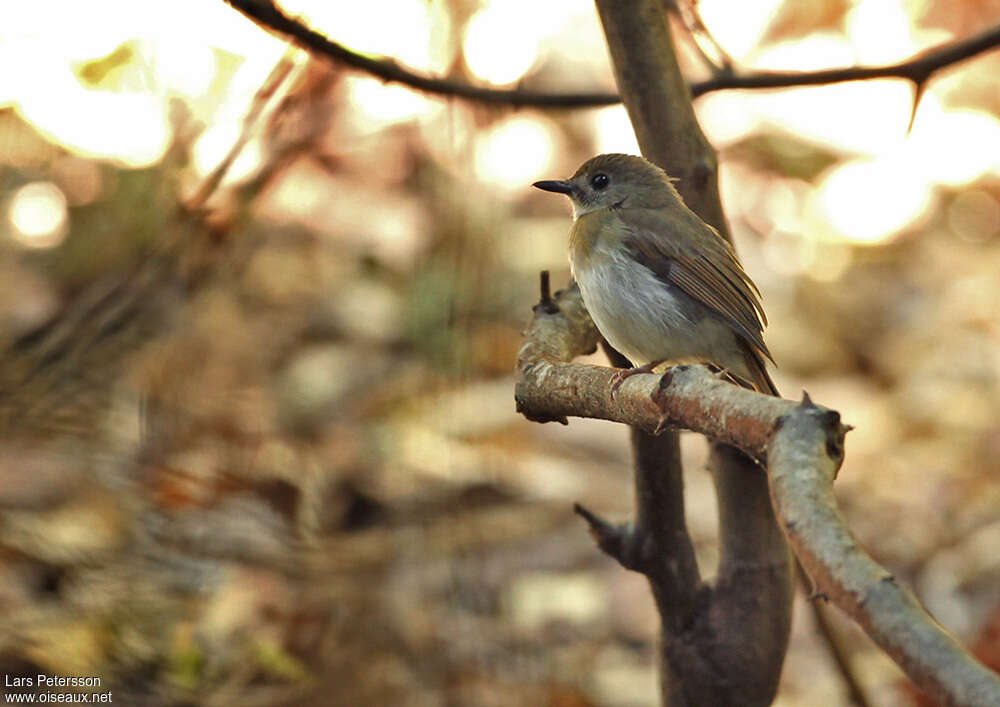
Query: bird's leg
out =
(622, 373)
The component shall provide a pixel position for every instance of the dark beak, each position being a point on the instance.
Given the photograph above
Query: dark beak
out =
(560, 186)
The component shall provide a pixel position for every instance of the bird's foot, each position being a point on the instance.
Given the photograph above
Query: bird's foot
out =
(722, 374)
(622, 373)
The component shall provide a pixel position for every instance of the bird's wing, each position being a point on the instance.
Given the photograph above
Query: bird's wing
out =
(709, 271)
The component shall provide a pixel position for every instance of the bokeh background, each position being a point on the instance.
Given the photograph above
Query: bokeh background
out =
(259, 442)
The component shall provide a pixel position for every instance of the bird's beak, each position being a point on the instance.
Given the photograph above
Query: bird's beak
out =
(560, 186)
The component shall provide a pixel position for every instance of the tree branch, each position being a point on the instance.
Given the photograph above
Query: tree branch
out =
(730, 647)
(804, 455)
(264, 97)
(549, 388)
(918, 70)
(801, 444)
(271, 18)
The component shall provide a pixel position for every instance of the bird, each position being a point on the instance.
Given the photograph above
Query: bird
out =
(661, 285)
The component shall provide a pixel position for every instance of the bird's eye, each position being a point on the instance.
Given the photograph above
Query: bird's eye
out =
(599, 181)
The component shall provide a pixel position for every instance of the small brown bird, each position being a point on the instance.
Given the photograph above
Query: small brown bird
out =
(660, 284)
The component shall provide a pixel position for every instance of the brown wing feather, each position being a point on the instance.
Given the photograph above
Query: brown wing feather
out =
(762, 379)
(708, 271)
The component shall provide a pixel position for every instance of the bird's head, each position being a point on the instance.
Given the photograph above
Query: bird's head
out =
(615, 181)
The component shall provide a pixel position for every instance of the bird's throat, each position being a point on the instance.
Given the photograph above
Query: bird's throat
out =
(585, 236)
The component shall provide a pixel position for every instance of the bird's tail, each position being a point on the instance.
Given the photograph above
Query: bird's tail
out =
(761, 379)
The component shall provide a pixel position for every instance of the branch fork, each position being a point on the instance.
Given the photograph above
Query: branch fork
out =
(801, 447)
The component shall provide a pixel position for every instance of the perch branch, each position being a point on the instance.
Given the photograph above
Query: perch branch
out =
(550, 388)
(802, 446)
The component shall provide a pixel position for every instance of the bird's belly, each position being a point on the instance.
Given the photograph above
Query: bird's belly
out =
(648, 320)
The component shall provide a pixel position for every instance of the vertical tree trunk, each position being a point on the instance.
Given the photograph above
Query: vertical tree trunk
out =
(723, 644)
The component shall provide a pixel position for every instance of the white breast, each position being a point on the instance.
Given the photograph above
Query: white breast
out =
(646, 319)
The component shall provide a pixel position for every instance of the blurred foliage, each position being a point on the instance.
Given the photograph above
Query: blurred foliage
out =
(783, 155)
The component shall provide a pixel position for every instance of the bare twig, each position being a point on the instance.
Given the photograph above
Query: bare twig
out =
(687, 12)
(839, 652)
(918, 70)
(264, 98)
(267, 15)
(657, 544)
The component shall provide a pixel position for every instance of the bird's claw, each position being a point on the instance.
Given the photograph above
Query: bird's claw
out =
(617, 379)
(621, 374)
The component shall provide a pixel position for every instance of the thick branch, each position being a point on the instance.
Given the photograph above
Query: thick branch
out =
(917, 69)
(803, 459)
(730, 648)
(657, 543)
(549, 388)
(802, 446)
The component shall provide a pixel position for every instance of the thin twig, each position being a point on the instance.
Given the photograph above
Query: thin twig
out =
(839, 652)
(270, 17)
(917, 69)
(689, 16)
(262, 99)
